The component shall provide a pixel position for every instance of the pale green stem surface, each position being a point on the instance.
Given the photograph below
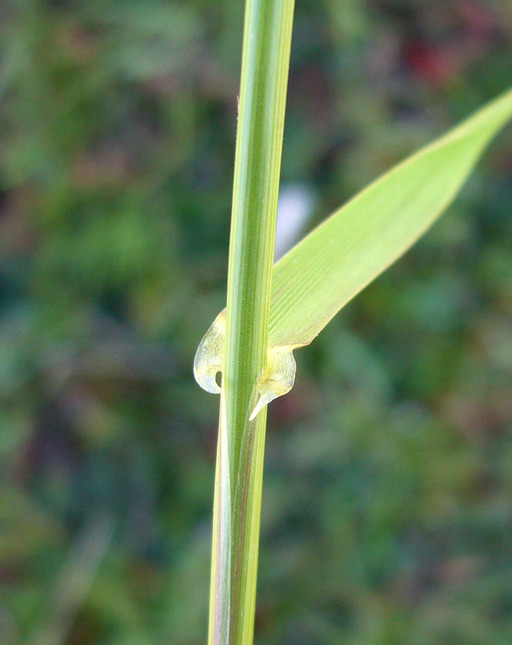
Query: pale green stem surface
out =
(265, 62)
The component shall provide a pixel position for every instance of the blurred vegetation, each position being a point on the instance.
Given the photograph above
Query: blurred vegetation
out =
(388, 498)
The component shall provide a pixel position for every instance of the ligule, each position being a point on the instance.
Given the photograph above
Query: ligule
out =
(209, 357)
(276, 379)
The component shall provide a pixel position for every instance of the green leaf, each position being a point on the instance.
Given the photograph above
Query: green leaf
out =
(332, 264)
(353, 246)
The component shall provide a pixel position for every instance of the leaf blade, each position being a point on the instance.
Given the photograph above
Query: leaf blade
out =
(314, 280)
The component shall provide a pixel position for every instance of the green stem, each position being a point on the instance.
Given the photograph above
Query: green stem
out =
(265, 62)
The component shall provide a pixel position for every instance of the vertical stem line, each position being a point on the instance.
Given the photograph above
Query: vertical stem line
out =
(265, 63)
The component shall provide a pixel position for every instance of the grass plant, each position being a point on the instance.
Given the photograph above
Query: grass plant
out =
(270, 312)
(386, 502)
(266, 55)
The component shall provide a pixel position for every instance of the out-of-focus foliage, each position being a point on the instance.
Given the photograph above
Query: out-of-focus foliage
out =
(388, 495)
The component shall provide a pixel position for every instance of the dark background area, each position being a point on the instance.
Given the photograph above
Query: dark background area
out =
(387, 506)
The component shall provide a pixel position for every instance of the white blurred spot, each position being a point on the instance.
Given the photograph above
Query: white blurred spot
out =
(296, 205)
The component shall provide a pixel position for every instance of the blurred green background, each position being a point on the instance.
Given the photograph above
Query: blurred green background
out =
(387, 508)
